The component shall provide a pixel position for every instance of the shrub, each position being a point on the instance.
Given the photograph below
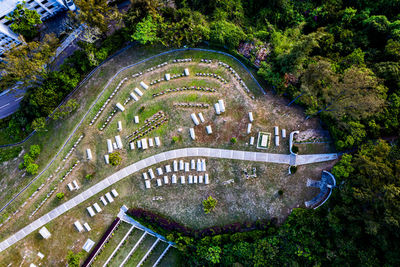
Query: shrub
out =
(32, 169)
(115, 158)
(233, 140)
(89, 176)
(175, 139)
(293, 169)
(209, 204)
(295, 149)
(60, 195)
(280, 192)
(141, 109)
(73, 259)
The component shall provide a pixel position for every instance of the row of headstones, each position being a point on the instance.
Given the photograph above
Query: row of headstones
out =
(112, 114)
(192, 179)
(167, 77)
(96, 206)
(69, 171)
(205, 60)
(183, 166)
(73, 147)
(144, 143)
(182, 60)
(155, 116)
(107, 101)
(276, 133)
(157, 67)
(212, 75)
(149, 129)
(148, 122)
(191, 105)
(133, 96)
(235, 75)
(128, 99)
(195, 88)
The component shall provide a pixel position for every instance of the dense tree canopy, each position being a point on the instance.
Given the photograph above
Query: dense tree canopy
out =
(24, 21)
(27, 62)
(96, 13)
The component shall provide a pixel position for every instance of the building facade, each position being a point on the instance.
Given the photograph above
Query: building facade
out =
(45, 8)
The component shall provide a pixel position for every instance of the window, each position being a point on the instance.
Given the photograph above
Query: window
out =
(44, 2)
(36, 7)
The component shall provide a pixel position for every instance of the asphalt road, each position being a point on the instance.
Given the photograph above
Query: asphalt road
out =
(9, 101)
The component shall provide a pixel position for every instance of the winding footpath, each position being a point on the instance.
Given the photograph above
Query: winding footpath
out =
(101, 94)
(158, 158)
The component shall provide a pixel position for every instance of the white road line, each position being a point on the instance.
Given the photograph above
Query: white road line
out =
(5, 105)
(18, 99)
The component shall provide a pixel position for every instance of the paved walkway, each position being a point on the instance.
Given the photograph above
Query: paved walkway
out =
(147, 162)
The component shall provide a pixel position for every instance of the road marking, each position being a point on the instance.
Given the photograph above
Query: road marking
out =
(18, 99)
(5, 105)
(5, 92)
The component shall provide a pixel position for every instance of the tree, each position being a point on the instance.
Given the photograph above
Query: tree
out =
(146, 31)
(139, 10)
(24, 21)
(27, 62)
(183, 27)
(226, 33)
(39, 124)
(28, 160)
(233, 140)
(74, 259)
(344, 168)
(209, 204)
(34, 151)
(60, 196)
(392, 50)
(64, 110)
(115, 158)
(211, 254)
(32, 169)
(356, 94)
(96, 13)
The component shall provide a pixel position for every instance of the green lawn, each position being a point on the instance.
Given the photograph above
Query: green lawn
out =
(127, 246)
(155, 254)
(106, 252)
(141, 250)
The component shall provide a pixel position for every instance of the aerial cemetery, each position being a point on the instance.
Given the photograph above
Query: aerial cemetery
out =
(148, 115)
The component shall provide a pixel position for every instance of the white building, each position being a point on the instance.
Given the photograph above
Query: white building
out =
(45, 8)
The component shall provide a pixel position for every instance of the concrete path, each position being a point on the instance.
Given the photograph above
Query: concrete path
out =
(158, 158)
